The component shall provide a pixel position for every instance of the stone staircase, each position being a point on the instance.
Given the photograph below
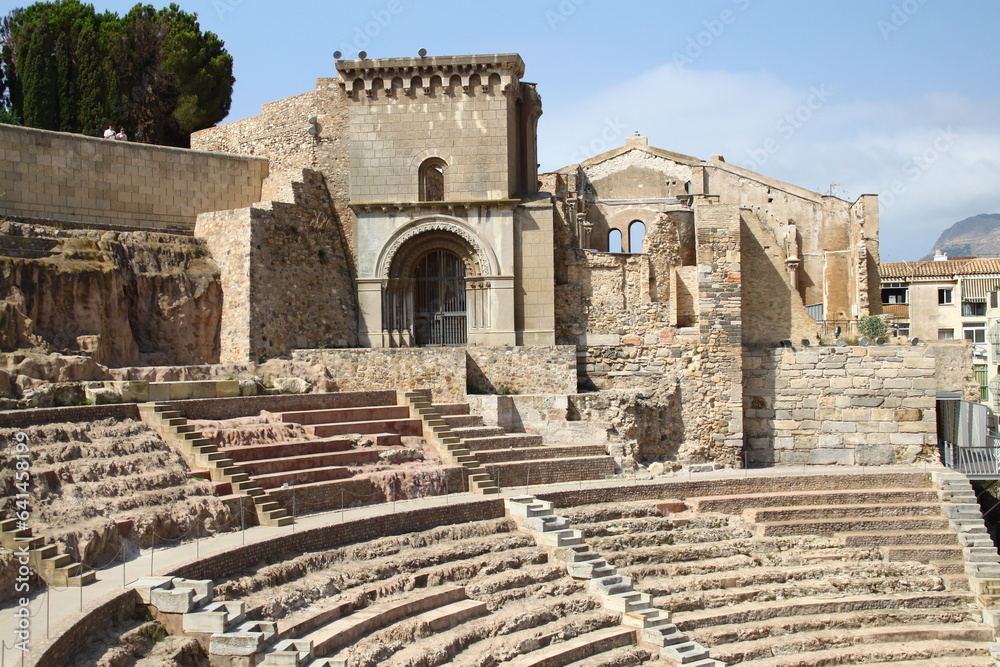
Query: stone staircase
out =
(437, 431)
(53, 568)
(641, 620)
(509, 459)
(201, 453)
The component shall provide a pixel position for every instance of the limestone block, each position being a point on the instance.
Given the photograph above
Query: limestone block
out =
(227, 389)
(291, 386)
(102, 395)
(991, 617)
(146, 585)
(173, 600)
(671, 506)
(874, 455)
(832, 457)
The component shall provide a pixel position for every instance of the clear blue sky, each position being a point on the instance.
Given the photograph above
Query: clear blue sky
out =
(872, 95)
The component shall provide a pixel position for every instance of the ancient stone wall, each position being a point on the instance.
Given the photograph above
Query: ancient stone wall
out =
(440, 369)
(522, 370)
(59, 176)
(286, 278)
(840, 405)
(281, 134)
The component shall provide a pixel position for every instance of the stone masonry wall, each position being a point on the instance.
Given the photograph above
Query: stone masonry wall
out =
(286, 278)
(843, 405)
(523, 370)
(71, 177)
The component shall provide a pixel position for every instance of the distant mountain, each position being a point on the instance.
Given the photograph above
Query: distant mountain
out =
(978, 236)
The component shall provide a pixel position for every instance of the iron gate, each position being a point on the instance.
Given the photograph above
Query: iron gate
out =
(439, 300)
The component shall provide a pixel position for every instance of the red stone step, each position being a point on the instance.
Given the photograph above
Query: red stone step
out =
(332, 416)
(398, 426)
(516, 440)
(535, 453)
(306, 461)
(290, 448)
(298, 477)
(449, 409)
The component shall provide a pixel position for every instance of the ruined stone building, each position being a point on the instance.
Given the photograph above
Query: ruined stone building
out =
(398, 206)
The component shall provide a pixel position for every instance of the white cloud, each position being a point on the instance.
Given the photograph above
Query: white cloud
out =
(939, 152)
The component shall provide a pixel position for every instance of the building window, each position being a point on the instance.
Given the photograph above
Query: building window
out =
(432, 179)
(973, 308)
(636, 235)
(895, 293)
(946, 334)
(974, 331)
(982, 380)
(902, 329)
(944, 296)
(614, 241)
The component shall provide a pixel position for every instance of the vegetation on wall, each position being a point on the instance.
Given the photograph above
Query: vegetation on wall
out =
(152, 72)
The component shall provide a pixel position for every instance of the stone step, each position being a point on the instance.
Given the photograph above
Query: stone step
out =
(924, 554)
(503, 442)
(459, 421)
(339, 633)
(551, 471)
(742, 652)
(411, 427)
(720, 635)
(450, 409)
(338, 415)
(275, 480)
(287, 448)
(359, 457)
(685, 653)
(544, 524)
(527, 506)
(762, 611)
(942, 653)
(767, 515)
(736, 503)
(834, 526)
(901, 538)
(628, 601)
(572, 650)
(535, 453)
(465, 432)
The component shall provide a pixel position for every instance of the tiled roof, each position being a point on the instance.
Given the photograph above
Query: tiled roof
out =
(946, 269)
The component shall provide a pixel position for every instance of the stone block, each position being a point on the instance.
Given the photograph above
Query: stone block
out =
(832, 457)
(174, 600)
(874, 455)
(909, 415)
(672, 506)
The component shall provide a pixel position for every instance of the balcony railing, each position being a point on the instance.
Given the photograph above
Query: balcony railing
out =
(897, 310)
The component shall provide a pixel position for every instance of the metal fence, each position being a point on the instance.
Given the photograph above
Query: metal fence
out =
(974, 461)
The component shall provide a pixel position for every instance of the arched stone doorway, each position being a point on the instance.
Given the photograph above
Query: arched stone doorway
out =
(437, 291)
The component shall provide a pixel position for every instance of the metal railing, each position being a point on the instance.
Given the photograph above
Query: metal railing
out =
(974, 461)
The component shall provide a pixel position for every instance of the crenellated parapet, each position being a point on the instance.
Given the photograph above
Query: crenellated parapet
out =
(414, 77)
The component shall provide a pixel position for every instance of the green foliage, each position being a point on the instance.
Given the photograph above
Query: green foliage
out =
(153, 72)
(872, 327)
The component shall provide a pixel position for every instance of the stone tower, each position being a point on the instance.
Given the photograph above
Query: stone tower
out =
(454, 243)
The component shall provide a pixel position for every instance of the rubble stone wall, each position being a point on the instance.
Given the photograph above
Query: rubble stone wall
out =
(840, 405)
(60, 176)
(523, 370)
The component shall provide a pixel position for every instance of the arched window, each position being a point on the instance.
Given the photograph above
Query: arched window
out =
(432, 180)
(636, 235)
(614, 241)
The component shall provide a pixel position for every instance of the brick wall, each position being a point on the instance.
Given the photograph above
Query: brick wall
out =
(82, 179)
(840, 405)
